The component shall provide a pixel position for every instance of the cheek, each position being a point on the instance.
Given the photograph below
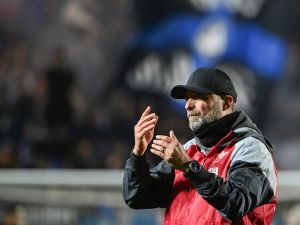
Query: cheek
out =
(216, 107)
(202, 107)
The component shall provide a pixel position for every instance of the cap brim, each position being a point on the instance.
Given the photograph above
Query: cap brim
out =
(179, 91)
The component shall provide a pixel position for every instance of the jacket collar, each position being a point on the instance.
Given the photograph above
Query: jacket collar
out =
(214, 132)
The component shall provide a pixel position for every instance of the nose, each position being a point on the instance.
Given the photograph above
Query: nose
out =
(189, 105)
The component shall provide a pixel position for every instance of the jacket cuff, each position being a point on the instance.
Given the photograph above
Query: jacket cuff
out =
(137, 161)
(203, 176)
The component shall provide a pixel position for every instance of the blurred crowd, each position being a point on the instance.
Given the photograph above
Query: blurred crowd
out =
(54, 56)
(75, 75)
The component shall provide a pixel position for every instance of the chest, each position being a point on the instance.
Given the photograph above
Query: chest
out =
(217, 161)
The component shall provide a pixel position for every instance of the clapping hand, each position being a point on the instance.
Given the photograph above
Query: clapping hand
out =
(144, 131)
(170, 149)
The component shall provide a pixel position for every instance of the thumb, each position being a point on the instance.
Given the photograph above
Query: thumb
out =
(156, 120)
(172, 135)
(182, 150)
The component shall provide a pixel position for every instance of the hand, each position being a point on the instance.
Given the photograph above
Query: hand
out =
(144, 131)
(170, 149)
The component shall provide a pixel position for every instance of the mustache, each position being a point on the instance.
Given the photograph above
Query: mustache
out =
(193, 114)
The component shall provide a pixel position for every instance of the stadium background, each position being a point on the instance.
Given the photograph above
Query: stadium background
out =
(76, 74)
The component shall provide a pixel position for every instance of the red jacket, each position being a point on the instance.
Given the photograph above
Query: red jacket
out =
(186, 201)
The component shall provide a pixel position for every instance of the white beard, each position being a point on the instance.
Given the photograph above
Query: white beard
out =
(198, 122)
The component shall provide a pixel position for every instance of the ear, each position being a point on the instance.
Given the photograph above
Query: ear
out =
(228, 102)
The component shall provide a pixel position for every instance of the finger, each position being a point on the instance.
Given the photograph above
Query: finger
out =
(143, 132)
(156, 119)
(146, 118)
(161, 142)
(160, 148)
(163, 137)
(146, 112)
(158, 153)
(179, 147)
(172, 135)
(146, 124)
(177, 143)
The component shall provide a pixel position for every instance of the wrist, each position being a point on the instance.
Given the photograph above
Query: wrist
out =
(192, 167)
(137, 152)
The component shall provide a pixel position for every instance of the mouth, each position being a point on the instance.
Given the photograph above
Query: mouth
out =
(192, 114)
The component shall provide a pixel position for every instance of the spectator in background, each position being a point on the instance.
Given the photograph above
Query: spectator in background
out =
(17, 84)
(59, 83)
(23, 109)
(59, 112)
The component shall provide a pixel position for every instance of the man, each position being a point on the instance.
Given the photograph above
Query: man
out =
(224, 175)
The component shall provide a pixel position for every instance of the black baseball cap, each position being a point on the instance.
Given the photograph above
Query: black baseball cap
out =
(208, 81)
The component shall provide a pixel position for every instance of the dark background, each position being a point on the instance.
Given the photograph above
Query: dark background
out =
(76, 75)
